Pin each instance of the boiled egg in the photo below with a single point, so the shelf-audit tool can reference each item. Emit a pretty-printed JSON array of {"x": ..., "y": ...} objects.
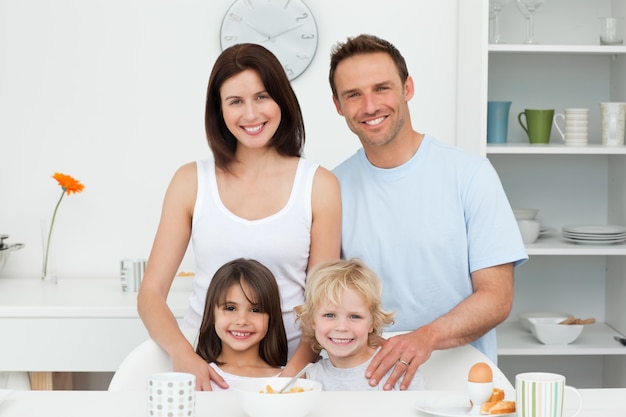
[{"x": 480, "y": 372}]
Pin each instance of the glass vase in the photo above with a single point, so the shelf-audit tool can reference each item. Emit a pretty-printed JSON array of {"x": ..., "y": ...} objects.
[{"x": 49, "y": 265}]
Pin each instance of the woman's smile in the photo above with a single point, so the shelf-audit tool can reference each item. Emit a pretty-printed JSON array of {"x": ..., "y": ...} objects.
[{"x": 254, "y": 129}]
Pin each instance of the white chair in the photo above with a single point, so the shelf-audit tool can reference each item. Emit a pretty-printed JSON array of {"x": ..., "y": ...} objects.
[
  {"x": 14, "y": 380},
  {"x": 448, "y": 369},
  {"x": 146, "y": 359}
]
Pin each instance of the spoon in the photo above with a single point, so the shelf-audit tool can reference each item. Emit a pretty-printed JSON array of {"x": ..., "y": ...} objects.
[{"x": 295, "y": 378}]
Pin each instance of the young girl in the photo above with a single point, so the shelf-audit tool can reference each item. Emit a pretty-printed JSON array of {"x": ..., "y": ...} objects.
[
  {"x": 242, "y": 332},
  {"x": 343, "y": 315}
]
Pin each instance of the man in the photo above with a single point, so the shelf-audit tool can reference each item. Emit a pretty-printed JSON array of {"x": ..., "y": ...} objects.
[{"x": 431, "y": 219}]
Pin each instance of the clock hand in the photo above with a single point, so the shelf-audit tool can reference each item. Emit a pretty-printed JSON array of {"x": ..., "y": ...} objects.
[
  {"x": 265, "y": 35},
  {"x": 285, "y": 31}
]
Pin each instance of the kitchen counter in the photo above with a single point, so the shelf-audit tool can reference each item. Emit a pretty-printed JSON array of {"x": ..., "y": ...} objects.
[
  {"x": 596, "y": 403},
  {"x": 77, "y": 325},
  {"x": 20, "y": 298}
]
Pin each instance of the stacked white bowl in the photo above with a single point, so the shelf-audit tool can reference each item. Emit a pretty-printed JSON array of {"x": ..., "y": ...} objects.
[{"x": 528, "y": 225}]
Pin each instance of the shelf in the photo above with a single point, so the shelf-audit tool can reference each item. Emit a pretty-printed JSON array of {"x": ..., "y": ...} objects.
[
  {"x": 559, "y": 49},
  {"x": 553, "y": 149},
  {"x": 557, "y": 246},
  {"x": 596, "y": 339},
  {"x": 570, "y": 184}
]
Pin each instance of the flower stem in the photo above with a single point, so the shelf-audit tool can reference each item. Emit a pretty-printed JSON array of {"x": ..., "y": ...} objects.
[{"x": 54, "y": 215}]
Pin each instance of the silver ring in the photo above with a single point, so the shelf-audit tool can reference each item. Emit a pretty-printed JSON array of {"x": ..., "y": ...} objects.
[{"x": 403, "y": 362}]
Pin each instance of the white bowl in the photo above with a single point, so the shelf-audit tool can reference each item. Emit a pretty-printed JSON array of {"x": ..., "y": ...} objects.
[
  {"x": 523, "y": 317},
  {"x": 256, "y": 402},
  {"x": 529, "y": 229},
  {"x": 525, "y": 213},
  {"x": 549, "y": 332}
]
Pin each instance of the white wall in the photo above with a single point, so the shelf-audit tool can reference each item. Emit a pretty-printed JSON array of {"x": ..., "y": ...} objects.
[{"x": 112, "y": 92}]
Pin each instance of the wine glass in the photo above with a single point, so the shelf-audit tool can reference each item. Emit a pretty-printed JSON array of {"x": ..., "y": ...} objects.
[
  {"x": 495, "y": 7},
  {"x": 528, "y": 9}
]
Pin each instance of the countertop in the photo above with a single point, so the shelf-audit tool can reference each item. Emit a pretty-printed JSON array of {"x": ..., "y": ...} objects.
[
  {"x": 80, "y": 297},
  {"x": 596, "y": 403}
]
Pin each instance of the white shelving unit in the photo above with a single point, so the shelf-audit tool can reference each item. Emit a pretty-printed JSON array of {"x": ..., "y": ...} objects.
[
  {"x": 568, "y": 184},
  {"x": 553, "y": 149},
  {"x": 556, "y": 246},
  {"x": 597, "y": 339},
  {"x": 558, "y": 49}
]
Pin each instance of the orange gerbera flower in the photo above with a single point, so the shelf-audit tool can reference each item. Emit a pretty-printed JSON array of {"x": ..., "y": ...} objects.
[{"x": 69, "y": 185}]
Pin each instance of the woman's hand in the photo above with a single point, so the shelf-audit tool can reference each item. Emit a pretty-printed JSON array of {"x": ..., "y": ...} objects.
[
  {"x": 301, "y": 357},
  {"x": 205, "y": 374}
]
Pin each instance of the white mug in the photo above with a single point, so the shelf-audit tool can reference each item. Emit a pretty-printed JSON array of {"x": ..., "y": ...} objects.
[
  {"x": 131, "y": 274},
  {"x": 611, "y": 31},
  {"x": 576, "y": 126},
  {"x": 541, "y": 394},
  {"x": 171, "y": 394},
  {"x": 613, "y": 117}
]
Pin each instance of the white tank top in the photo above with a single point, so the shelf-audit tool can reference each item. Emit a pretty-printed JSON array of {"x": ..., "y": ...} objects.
[
  {"x": 281, "y": 242},
  {"x": 231, "y": 379}
]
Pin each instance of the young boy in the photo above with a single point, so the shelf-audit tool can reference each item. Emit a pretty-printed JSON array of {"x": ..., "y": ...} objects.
[{"x": 342, "y": 314}]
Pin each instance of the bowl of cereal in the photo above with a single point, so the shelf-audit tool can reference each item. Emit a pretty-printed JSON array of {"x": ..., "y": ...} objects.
[{"x": 259, "y": 397}]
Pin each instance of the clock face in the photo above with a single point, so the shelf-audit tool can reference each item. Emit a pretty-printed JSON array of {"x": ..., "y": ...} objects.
[{"x": 285, "y": 27}]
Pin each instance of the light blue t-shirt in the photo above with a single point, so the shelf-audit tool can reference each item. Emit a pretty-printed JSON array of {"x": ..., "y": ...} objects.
[{"x": 424, "y": 226}]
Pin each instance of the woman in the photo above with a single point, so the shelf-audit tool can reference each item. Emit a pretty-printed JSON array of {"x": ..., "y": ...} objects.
[{"x": 256, "y": 198}]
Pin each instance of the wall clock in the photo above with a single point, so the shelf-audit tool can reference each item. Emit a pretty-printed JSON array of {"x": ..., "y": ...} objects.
[{"x": 285, "y": 27}]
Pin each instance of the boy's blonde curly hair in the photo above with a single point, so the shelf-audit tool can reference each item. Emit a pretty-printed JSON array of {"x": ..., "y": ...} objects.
[{"x": 327, "y": 281}]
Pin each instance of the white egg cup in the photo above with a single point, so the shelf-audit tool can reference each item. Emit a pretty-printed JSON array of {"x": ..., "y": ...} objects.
[{"x": 479, "y": 393}]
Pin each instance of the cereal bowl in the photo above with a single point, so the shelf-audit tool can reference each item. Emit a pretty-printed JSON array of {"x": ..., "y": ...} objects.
[
  {"x": 529, "y": 230},
  {"x": 549, "y": 332},
  {"x": 254, "y": 399}
]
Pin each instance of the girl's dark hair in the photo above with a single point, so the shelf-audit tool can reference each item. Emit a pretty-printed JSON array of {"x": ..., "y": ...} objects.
[
  {"x": 289, "y": 137},
  {"x": 364, "y": 44},
  {"x": 264, "y": 293}
]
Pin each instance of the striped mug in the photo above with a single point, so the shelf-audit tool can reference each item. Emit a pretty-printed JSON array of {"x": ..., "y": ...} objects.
[{"x": 541, "y": 394}]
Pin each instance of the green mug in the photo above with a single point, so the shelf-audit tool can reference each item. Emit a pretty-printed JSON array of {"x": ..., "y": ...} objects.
[{"x": 538, "y": 124}]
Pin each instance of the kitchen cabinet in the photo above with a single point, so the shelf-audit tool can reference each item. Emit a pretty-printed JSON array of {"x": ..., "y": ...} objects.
[
  {"x": 77, "y": 325},
  {"x": 568, "y": 184}
]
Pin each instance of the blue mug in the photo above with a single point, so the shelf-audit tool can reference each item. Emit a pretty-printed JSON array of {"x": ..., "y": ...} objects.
[{"x": 498, "y": 121}]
